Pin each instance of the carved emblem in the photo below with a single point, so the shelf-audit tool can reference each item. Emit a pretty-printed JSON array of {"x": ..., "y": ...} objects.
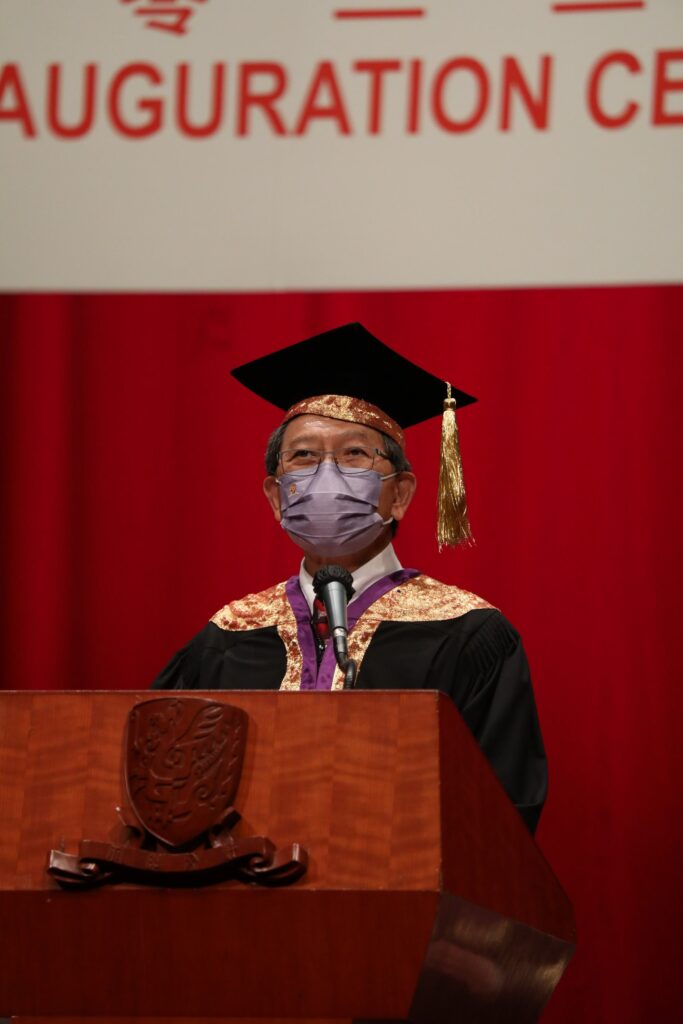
[{"x": 182, "y": 765}]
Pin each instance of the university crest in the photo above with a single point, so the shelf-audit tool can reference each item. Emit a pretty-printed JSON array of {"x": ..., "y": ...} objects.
[{"x": 182, "y": 764}]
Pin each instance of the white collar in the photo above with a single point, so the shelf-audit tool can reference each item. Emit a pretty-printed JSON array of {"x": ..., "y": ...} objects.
[{"x": 378, "y": 567}]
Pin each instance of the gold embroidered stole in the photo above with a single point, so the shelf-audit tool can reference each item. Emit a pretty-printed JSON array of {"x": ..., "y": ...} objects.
[{"x": 420, "y": 599}]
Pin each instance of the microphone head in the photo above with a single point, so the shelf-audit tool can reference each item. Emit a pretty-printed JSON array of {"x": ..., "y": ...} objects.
[{"x": 333, "y": 574}]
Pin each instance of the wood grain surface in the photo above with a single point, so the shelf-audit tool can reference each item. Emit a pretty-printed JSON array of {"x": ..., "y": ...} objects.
[
  {"x": 355, "y": 781},
  {"x": 509, "y": 874},
  {"x": 387, "y": 791}
]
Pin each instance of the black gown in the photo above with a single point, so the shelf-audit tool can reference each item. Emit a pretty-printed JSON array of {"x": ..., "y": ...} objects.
[{"x": 420, "y": 635}]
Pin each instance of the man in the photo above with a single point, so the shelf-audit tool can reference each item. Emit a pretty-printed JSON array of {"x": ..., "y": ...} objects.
[{"x": 339, "y": 483}]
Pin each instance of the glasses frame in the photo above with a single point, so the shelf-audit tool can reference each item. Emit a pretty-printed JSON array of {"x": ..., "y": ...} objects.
[{"x": 344, "y": 470}]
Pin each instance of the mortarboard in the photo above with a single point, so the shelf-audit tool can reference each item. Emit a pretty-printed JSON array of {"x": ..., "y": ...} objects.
[{"x": 349, "y": 374}]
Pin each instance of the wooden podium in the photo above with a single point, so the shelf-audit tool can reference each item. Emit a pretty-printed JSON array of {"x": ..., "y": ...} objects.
[{"x": 425, "y": 897}]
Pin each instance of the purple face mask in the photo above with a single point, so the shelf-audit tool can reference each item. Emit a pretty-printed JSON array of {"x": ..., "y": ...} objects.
[{"x": 330, "y": 513}]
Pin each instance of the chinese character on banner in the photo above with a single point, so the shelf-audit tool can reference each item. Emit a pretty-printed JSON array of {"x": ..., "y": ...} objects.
[{"x": 168, "y": 15}]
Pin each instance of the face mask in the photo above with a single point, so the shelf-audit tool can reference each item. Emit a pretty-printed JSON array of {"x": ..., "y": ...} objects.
[{"x": 330, "y": 513}]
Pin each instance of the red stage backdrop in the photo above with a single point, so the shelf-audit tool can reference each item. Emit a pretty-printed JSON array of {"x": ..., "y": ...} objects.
[{"x": 131, "y": 475}]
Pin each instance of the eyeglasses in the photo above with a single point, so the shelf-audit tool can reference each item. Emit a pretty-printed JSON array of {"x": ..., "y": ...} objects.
[{"x": 354, "y": 459}]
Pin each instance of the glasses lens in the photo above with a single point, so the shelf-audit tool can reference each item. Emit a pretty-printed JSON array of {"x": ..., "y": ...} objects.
[
  {"x": 305, "y": 461},
  {"x": 355, "y": 459},
  {"x": 300, "y": 460}
]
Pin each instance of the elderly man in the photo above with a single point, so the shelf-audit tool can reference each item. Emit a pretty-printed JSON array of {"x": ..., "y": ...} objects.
[{"x": 339, "y": 483}]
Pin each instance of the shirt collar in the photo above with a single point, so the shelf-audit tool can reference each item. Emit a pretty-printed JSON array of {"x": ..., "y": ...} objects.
[{"x": 381, "y": 565}]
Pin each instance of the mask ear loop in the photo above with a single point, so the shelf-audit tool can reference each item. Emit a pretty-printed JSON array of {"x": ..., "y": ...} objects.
[{"x": 389, "y": 476}]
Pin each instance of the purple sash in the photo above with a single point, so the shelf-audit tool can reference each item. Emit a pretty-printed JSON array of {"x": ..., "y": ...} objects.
[{"x": 312, "y": 677}]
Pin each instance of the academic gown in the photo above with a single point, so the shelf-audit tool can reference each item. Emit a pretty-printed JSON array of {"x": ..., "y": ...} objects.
[{"x": 407, "y": 631}]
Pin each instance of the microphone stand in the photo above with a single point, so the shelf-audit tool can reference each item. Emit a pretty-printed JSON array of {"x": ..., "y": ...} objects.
[{"x": 334, "y": 586}]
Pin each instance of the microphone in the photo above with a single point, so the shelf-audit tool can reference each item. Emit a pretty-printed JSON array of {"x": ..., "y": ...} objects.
[{"x": 333, "y": 584}]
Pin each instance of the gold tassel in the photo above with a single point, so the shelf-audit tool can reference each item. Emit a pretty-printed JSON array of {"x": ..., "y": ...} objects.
[{"x": 452, "y": 524}]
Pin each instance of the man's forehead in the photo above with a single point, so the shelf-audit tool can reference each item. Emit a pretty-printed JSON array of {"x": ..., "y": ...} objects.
[{"x": 308, "y": 427}]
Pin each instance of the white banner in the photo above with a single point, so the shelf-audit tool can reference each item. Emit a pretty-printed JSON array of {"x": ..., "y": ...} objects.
[{"x": 308, "y": 144}]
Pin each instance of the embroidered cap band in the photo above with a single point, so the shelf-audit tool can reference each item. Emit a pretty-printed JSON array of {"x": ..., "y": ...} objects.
[{"x": 353, "y": 410}]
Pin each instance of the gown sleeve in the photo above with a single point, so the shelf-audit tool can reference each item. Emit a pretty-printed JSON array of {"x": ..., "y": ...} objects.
[
  {"x": 496, "y": 699},
  {"x": 220, "y": 659},
  {"x": 184, "y": 669}
]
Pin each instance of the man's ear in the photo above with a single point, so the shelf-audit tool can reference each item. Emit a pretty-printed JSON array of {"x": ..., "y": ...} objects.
[
  {"x": 404, "y": 489},
  {"x": 271, "y": 489}
]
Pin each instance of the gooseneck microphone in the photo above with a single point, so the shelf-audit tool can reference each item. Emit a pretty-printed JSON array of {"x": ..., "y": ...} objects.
[{"x": 333, "y": 584}]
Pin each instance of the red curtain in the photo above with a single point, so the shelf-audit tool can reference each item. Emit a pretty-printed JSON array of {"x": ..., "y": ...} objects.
[{"x": 132, "y": 509}]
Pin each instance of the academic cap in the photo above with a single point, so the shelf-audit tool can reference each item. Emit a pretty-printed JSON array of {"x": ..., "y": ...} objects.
[{"x": 347, "y": 373}]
